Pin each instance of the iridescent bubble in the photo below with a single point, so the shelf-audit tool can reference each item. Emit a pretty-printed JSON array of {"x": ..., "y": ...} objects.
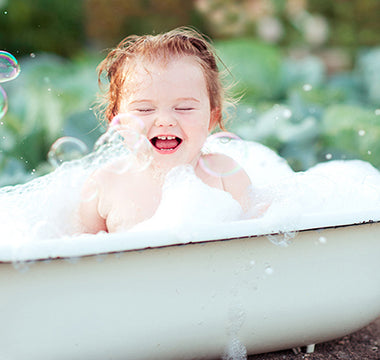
[
  {"x": 9, "y": 67},
  {"x": 3, "y": 103},
  {"x": 66, "y": 148},
  {"x": 223, "y": 137},
  {"x": 129, "y": 148}
]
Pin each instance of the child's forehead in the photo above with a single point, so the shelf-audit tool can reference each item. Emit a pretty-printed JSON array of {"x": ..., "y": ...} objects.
[
  {"x": 142, "y": 71},
  {"x": 143, "y": 65}
]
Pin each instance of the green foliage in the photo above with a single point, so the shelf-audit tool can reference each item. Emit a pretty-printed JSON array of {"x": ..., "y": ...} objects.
[
  {"x": 42, "y": 25},
  {"x": 352, "y": 130},
  {"x": 254, "y": 66},
  {"x": 51, "y": 98},
  {"x": 290, "y": 105},
  {"x": 315, "y": 117}
]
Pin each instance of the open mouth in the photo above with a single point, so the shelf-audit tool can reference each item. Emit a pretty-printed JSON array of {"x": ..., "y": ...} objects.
[{"x": 166, "y": 144}]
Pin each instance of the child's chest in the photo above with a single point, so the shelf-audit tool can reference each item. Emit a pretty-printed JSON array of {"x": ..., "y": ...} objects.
[{"x": 130, "y": 202}]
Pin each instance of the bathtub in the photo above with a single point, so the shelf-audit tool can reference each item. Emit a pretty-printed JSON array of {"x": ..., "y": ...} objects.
[{"x": 193, "y": 295}]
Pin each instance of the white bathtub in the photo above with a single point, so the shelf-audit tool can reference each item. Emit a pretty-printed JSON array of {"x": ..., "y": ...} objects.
[{"x": 187, "y": 301}]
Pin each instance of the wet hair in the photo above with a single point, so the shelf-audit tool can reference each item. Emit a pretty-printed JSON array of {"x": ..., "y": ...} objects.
[{"x": 117, "y": 69}]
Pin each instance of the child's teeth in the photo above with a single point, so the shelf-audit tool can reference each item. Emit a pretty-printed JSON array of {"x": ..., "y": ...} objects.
[{"x": 166, "y": 137}]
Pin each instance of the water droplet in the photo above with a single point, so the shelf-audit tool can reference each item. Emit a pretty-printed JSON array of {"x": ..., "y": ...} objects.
[
  {"x": 249, "y": 110},
  {"x": 32, "y": 55},
  {"x": 322, "y": 240},
  {"x": 377, "y": 112},
  {"x": 361, "y": 132},
  {"x": 268, "y": 270},
  {"x": 287, "y": 113},
  {"x": 328, "y": 156},
  {"x": 9, "y": 67},
  {"x": 3, "y": 102},
  {"x": 283, "y": 239},
  {"x": 369, "y": 152},
  {"x": 307, "y": 87},
  {"x": 66, "y": 148}
]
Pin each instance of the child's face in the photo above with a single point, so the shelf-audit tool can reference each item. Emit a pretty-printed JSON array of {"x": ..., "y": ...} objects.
[{"x": 172, "y": 100}]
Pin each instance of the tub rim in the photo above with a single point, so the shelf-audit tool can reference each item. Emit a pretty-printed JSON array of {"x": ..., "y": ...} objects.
[{"x": 55, "y": 249}]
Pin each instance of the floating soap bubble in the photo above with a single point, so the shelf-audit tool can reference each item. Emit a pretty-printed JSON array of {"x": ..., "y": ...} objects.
[
  {"x": 223, "y": 138},
  {"x": 66, "y": 148},
  {"x": 9, "y": 67},
  {"x": 126, "y": 142},
  {"x": 3, "y": 102}
]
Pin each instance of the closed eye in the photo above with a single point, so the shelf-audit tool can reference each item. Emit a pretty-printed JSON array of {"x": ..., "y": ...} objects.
[
  {"x": 147, "y": 110},
  {"x": 184, "y": 109}
]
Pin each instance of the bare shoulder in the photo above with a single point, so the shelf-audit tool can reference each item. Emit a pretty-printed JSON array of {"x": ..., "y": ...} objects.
[
  {"x": 223, "y": 165},
  {"x": 219, "y": 163},
  {"x": 233, "y": 177}
]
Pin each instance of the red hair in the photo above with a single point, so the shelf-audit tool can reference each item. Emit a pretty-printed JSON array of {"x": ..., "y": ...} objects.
[{"x": 119, "y": 64}]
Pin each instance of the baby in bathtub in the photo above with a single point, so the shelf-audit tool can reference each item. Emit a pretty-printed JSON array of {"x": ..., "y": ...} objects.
[{"x": 172, "y": 84}]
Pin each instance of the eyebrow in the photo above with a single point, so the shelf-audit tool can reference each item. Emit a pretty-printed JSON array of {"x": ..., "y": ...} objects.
[{"x": 151, "y": 101}]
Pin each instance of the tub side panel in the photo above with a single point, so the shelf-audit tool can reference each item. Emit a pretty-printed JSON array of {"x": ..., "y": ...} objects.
[{"x": 193, "y": 301}]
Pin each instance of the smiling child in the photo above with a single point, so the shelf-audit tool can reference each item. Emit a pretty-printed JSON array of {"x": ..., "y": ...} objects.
[{"x": 170, "y": 82}]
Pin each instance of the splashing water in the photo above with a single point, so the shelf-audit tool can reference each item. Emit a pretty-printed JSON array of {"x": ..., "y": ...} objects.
[
  {"x": 235, "y": 350},
  {"x": 131, "y": 143},
  {"x": 9, "y": 67}
]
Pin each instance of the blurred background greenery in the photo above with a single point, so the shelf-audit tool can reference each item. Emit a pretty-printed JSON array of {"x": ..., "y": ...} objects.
[{"x": 309, "y": 72}]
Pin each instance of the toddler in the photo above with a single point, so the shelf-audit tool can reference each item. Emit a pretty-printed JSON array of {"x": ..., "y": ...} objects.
[{"x": 172, "y": 84}]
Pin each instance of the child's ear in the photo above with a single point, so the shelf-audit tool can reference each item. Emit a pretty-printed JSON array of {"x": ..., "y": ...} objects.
[{"x": 214, "y": 118}]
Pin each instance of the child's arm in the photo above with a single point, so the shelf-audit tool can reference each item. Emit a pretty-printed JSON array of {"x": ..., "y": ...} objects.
[
  {"x": 238, "y": 184},
  {"x": 89, "y": 217}
]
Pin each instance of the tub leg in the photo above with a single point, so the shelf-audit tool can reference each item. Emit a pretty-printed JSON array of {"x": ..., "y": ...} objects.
[
  {"x": 296, "y": 350},
  {"x": 309, "y": 349}
]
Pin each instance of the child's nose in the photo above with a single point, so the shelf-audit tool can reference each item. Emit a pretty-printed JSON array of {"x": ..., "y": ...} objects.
[{"x": 165, "y": 119}]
